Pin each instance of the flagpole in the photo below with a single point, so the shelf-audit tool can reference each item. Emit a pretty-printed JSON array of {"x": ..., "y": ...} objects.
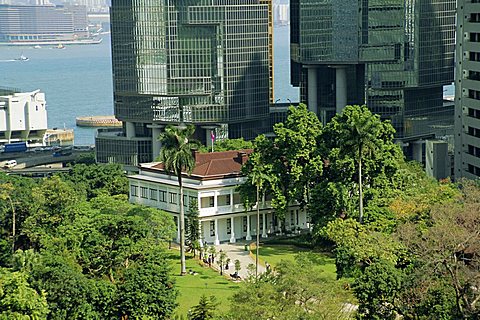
[{"x": 212, "y": 136}]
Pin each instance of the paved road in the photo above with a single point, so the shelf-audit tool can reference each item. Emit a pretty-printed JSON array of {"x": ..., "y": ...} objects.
[{"x": 237, "y": 251}]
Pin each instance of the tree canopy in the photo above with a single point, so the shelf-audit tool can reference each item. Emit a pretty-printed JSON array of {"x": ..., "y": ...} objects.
[{"x": 82, "y": 251}]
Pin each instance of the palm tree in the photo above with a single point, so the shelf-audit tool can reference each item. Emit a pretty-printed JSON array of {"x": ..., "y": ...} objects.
[
  {"x": 362, "y": 131},
  {"x": 177, "y": 157},
  {"x": 258, "y": 178}
]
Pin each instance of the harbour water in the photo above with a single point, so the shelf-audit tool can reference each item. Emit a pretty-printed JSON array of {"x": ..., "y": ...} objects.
[{"x": 77, "y": 80}]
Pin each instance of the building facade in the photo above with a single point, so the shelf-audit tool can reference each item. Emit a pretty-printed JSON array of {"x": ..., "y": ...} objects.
[
  {"x": 212, "y": 185},
  {"x": 23, "y": 116},
  {"x": 205, "y": 62},
  {"x": 467, "y": 95},
  {"x": 42, "y": 24},
  {"x": 394, "y": 56}
]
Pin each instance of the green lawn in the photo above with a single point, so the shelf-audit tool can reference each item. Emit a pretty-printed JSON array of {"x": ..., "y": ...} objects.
[
  {"x": 273, "y": 254},
  {"x": 191, "y": 287}
]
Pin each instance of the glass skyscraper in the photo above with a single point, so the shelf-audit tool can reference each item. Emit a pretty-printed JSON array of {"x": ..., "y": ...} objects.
[
  {"x": 395, "y": 56},
  {"x": 206, "y": 62}
]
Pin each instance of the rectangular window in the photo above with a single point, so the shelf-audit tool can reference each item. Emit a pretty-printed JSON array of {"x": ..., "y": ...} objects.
[
  {"x": 223, "y": 200},
  {"x": 162, "y": 196},
  {"x": 244, "y": 224},
  {"x": 172, "y": 197},
  {"x": 212, "y": 228},
  {"x": 185, "y": 200},
  {"x": 154, "y": 194},
  {"x": 236, "y": 198},
  {"x": 292, "y": 218},
  {"x": 134, "y": 191},
  {"x": 206, "y": 202},
  {"x": 229, "y": 226},
  {"x": 144, "y": 192}
]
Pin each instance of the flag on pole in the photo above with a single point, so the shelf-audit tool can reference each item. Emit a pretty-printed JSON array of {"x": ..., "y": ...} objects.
[{"x": 212, "y": 136}]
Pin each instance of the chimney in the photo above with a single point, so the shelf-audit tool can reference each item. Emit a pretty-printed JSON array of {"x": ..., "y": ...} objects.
[{"x": 243, "y": 156}]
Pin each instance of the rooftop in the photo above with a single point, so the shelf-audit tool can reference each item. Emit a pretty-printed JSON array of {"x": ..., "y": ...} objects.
[{"x": 213, "y": 164}]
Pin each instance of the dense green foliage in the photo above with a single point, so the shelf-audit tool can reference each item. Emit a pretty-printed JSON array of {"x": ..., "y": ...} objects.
[
  {"x": 289, "y": 163},
  {"x": 227, "y": 145},
  {"x": 296, "y": 290},
  {"x": 81, "y": 250},
  {"x": 18, "y": 300},
  {"x": 413, "y": 254}
]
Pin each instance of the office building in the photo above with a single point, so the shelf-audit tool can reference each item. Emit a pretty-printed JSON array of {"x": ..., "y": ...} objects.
[
  {"x": 42, "y": 24},
  {"x": 213, "y": 185},
  {"x": 467, "y": 94},
  {"x": 394, "y": 56},
  {"x": 205, "y": 62},
  {"x": 23, "y": 116}
]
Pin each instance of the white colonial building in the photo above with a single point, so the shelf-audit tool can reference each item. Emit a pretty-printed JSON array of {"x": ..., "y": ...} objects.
[
  {"x": 213, "y": 184},
  {"x": 23, "y": 117}
]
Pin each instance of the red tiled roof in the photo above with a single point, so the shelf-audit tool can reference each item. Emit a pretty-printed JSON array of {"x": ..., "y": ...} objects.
[{"x": 216, "y": 163}]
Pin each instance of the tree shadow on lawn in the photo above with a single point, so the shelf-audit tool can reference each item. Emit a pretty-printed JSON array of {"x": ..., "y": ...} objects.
[{"x": 289, "y": 252}]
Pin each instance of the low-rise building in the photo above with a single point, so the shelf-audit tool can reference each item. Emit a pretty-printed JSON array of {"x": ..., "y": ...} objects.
[
  {"x": 213, "y": 184},
  {"x": 23, "y": 116}
]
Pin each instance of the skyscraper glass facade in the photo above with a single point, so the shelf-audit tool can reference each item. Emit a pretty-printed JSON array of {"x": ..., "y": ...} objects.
[
  {"x": 206, "y": 62},
  {"x": 396, "y": 55}
]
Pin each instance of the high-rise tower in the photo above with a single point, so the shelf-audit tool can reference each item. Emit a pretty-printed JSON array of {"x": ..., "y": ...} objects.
[
  {"x": 395, "y": 56},
  {"x": 206, "y": 62},
  {"x": 467, "y": 95}
]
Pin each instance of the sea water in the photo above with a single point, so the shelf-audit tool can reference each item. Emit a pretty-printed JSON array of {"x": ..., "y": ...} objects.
[{"x": 77, "y": 80}]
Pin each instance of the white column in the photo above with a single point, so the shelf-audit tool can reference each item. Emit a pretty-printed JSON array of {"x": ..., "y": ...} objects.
[
  {"x": 341, "y": 88},
  {"x": 217, "y": 241},
  {"x": 249, "y": 236},
  {"x": 156, "y": 144},
  {"x": 312, "y": 90},
  {"x": 129, "y": 129},
  {"x": 232, "y": 230},
  {"x": 264, "y": 230},
  {"x": 417, "y": 151},
  {"x": 200, "y": 232}
]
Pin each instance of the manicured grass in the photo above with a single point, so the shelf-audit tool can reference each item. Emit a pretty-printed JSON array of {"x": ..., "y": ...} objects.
[
  {"x": 273, "y": 254},
  {"x": 192, "y": 287}
]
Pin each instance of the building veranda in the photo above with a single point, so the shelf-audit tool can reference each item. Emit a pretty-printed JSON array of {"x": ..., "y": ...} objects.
[{"x": 213, "y": 184}]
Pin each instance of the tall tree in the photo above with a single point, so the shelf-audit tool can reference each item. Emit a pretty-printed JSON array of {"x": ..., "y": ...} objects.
[
  {"x": 193, "y": 227},
  {"x": 290, "y": 160},
  {"x": 177, "y": 157},
  {"x": 258, "y": 178},
  {"x": 358, "y": 149}
]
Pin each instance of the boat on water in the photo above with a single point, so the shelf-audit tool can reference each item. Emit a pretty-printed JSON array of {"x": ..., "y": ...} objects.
[
  {"x": 22, "y": 58},
  {"x": 59, "y": 46},
  {"x": 37, "y": 47}
]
